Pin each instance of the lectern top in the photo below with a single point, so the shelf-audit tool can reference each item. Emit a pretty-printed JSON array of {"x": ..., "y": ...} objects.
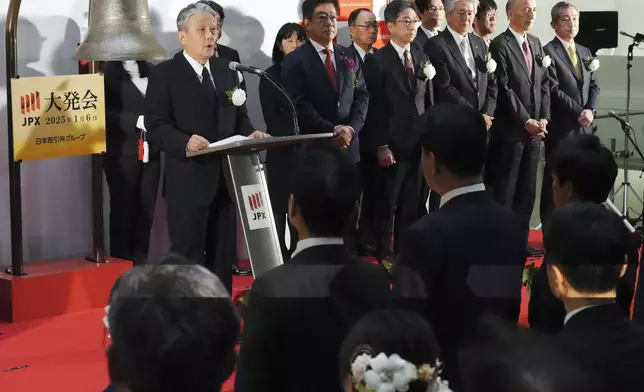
[{"x": 250, "y": 145}]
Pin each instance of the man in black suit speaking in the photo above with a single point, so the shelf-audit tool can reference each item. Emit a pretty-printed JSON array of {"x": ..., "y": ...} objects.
[
  {"x": 187, "y": 109},
  {"x": 574, "y": 91},
  {"x": 522, "y": 112}
]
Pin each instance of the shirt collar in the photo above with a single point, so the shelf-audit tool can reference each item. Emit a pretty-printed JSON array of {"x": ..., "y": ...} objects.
[
  {"x": 195, "y": 64},
  {"x": 569, "y": 315},
  {"x": 400, "y": 50},
  {"x": 480, "y": 187},
  {"x": 361, "y": 51},
  {"x": 457, "y": 37},
  {"x": 316, "y": 241},
  {"x": 566, "y": 44},
  {"x": 520, "y": 38},
  {"x": 318, "y": 47},
  {"x": 428, "y": 32}
]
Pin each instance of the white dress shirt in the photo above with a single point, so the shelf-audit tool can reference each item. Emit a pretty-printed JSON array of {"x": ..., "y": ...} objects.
[
  {"x": 520, "y": 38},
  {"x": 401, "y": 53},
  {"x": 567, "y": 47},
  {"x": 199, "y": 68},
  {"x": 569, "y": 315},
  {"x": 468, "y": 55},
  {"x": 316, "y": 241},
  {"x": 428, "y": 32},
  {"x": 361, "y": 51},
  {"x": 461, "y": 191},
  {"x": 319, "y": 48}
]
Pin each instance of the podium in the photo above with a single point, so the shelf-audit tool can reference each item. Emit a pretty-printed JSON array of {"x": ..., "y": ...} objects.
[{"x": 248, "y": 176}]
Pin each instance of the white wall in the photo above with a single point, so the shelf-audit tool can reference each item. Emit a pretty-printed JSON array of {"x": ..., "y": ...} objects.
[{"x": 56, "y": 193}]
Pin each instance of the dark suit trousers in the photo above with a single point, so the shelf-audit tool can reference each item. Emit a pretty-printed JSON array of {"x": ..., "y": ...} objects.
[
  {"x": 375, "y": 228},
  {"x": 133, "y": 188},
  {"x": 408, "y": 196},
  {"x": 206, "y": 234},
  {"x": 278, "y": 166},
  {"x": 512, "y": 174}
]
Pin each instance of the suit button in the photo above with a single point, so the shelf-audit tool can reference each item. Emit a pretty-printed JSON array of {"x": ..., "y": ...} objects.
[{"x": 338, "y": 104}]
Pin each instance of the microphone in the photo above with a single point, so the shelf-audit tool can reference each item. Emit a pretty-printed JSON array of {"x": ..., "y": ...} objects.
[
  {"x": 235, "y": 66},
  {"x": 637, "y": 38},
  {"x": 618, "y": 118}
]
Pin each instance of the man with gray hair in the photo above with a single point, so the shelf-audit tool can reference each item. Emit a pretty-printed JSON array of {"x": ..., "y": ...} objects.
[
  {"x": 462, "y": 74},
  {"x": 190, "y": 105},
  {"x": 173, "y": 328}
]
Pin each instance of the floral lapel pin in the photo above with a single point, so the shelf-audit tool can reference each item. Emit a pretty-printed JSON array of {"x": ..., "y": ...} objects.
[
  {"x": 352, "y": 68},
  {"x": 236, "y": 95},
  {"x": 426, "y": 71},
  {"x": 490, "y": 64},
  {"x": 543, "y": 61},
  {"x": 591, "y": 64}
]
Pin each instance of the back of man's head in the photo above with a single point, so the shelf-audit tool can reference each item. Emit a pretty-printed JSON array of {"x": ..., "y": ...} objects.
[
  {"x": 583, "y": 169},
  {"x": 456, "y": 135},
  {"x": 325, "y": 189},
  {"x": 173, "y": 327},
  {"x": 588, "y": 243}
]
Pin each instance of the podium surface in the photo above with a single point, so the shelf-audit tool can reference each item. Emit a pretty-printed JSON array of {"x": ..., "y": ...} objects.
[{"x": 252, "y": 198}]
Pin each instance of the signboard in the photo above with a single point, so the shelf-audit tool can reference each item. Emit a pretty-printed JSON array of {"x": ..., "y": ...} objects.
[
  {"x": 255, "y": 206},
  {"x": 58, "y": 116},
  {"x": 383, "y": 35},
  {"x": 348, "y": 6}
]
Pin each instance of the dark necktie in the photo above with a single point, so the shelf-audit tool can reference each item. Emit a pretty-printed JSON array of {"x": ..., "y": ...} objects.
[
  {"x": 207, "y": 83},
  {"x": 330, "y": 68},
  {"x": 527, "y": 55},
  {"x": 409, "y": 66}
]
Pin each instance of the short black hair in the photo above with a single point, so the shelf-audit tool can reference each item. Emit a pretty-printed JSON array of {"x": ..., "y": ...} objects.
[
  {"x": 484, "y": 7},
  {"x": 589, "y": 243},
  {"x": 391, "y": 331},
  {"x": 285, "y": 32},
  {"x": 393, "y": 9},
  {"x": 308, "y": 7},
  {"x": 326, "y": 189},
  {"x": 423, "y": 5},
  {"x": 587, "y": 164},
  {"x": 354, "y": 15},
  {"x": 215, "y": 7},
  {"x": 457, "y": 135},
  {"x": 173, "y": 327}
]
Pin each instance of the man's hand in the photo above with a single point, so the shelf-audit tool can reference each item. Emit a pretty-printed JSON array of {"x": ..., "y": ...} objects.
[
  {"x": 532, "y": 127},
  {"x": 586, "y": 117},
  {"x": 543, "y": 126},
  {"x": 488, "y": 121},
  {"x": 197, "y": 143},
  {"x": 385, "y": 157},
  {"x": 342, "y": 136},
  {"x": 259, "y": 135}
]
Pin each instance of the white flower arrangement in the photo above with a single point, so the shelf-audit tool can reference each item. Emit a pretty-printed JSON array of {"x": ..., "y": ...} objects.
[
  {"x": 237, "y": 96},
  {"x": 429, "y": 71},
  {"x": 546, "y": 61},
  {"x": 393, "y": 374},
  {"x": 592, "y": 64},
  {"x": 490, "y": 63}
]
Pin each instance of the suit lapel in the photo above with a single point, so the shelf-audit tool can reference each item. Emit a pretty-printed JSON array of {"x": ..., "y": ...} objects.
[
  {"x": 563, "y": 55},
  {"x": 340, "y": 66},
  {"x": 392, "y": 56},
  {"x": 191, "y": 77},
  {"x": 534, "y": 50},
  {"x": 458, "y": 55},
  {"x": 518, "y": 53},
  {"x": 480, "y": 52},
  {"x": 316, "y": 64}
]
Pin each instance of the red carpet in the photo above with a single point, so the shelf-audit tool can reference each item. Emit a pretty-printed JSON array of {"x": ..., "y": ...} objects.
[{"x": 66, "y": 353}]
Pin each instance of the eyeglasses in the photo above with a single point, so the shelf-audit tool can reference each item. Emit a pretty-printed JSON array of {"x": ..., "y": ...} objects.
[
  {"x": 408, "y": 22},
  {"x": 367, "y": 26},
  {"x": 490, "y": 15},
  {"x": 323, "y": 18},
  {"x": 436, "y": 9}
]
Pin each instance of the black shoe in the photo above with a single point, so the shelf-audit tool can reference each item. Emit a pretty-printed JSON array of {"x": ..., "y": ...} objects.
[
  {"x": 532, "y": 252},
  {"x": 241, "y": 271}
]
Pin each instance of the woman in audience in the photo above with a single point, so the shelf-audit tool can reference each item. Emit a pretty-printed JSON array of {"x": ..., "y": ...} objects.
[
  {"x": 279, "y": 122},
  {"x": 394, "y": 347}
]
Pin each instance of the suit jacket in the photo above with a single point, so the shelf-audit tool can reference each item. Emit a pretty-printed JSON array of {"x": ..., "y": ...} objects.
[
  {"x": 368, "y": 137},
  {"x": 124, "y": 103},
  {"x": 453, "y": 281},
  {"x": 178, "y": 106},
  {"x": 521, "y": 96},
  {"x": 607, "y": 344},
  {"x": 228, "y": 53},
  {"x": 453, "y": 81},
  {"x": 570, "y": 95},
  {"x": 275, "y": 107},
  {"x": 320, "y": 106},
  {"x": 397, "y": 100},
  {"x": 421, "y": 38},
  {"x": 304, "y": 309}
]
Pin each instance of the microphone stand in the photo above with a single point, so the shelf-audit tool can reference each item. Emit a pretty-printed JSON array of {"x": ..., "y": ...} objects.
[{"x": 278, "y": 86}]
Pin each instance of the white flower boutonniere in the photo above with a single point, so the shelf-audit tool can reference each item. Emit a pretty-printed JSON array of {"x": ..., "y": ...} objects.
[
  {"x": 490, "y": 64},
  {"x": 426, "y": 71},
  {"x": 544, "y": 61},
  {"x": 237, "y": 96},
  {"x": 592, "y": 64}
]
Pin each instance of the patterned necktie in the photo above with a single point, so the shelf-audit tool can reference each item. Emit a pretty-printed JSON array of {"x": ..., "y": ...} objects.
[
  {"x": 409, "y": 66},
  {"x": 575, "y": 61},
  {"x": 527, "y": 55},
  {"x": 330, "y": 68},
  {"x": 207, "y": 83},
  {"x": 468, "y": 59}
]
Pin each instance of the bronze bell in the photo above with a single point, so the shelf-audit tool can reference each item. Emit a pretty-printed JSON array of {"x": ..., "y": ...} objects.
[{"x": 120, "y": 30}]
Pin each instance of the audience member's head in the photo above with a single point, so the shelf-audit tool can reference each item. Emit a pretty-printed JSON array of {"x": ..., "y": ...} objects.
[
  {"x": 485, "y": 18},
  {"x": 388, "y": 332},
  {"x": 582, "y": 169},
  {"x": 173, "y": 328},
  {"x": 454, "y": 144},
  {"x": 325, "y": 190},
  {"x": 401, "y": 17},
  {"x": 289, "y": 37},
  {"x": 363, "y": 27},
  {"x": 565, "y": 20},
  {"x": 460, "y": 15},
  {"x": 586, "y": 247},
  {"x": 431, "y": 13},
  {"x": 199, "y": 29},
  {"x": 521, "y": 14},
  {"x": 321, "y": 20}
]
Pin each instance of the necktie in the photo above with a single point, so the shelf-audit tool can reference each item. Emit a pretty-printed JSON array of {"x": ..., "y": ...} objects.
[
  {"x": 330, "y": 68},
  {"x": 207, "y": 83},
  {"x": 468, "y": 59},
  {"x": 527, "y": 55},
  {"x": 409, "y": 66},
  {"x": 575, "y": 61}
]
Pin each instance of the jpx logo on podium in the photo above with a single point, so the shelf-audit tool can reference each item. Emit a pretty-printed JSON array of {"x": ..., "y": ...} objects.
[{"x": 255, "y": 207}]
